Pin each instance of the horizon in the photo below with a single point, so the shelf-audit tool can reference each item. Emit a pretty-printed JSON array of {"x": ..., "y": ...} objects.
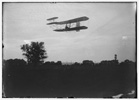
[
  {"x": 72, "y": 62},
  {"x": 111, "y": 30}
]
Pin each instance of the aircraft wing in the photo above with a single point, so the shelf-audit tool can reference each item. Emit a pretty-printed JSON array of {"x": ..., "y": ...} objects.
[
  {"x": 84, "y": 18},
  {"x": 72, "y": 29}
]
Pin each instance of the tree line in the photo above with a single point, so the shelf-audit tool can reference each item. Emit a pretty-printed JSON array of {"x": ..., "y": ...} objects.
[
  {"x": 35, "y": 55},
  {"x": 49, "y": 79}
]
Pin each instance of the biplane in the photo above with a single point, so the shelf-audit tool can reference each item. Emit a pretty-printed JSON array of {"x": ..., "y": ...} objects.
[{"x": 68, "y": 24}]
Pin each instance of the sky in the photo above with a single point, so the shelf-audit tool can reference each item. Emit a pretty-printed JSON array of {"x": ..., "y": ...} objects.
[{"x": 111, "y": 30}]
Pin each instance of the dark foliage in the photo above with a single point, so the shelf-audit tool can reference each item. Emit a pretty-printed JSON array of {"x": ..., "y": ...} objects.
[
  {"x": 79, "y": 80},
  {"x": 35, "y": 52}
]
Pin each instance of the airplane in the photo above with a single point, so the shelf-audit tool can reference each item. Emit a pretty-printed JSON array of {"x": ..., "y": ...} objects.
[{"x": 69, "y": 24}]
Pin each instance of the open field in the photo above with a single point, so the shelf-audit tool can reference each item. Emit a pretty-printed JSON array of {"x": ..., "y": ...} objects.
[{"x": 79, "y": 81}]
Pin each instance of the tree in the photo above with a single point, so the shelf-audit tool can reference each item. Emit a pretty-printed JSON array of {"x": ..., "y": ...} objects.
[
  {"x": 59, "y": 63},
  {"x": 34, "y": 52}
]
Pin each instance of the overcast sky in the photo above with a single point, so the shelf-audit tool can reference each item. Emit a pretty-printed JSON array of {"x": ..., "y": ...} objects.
[{"x": 111, "y": 30}]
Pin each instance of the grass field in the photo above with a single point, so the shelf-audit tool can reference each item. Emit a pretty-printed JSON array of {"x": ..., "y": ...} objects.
[{"x": 68, "y": 81}]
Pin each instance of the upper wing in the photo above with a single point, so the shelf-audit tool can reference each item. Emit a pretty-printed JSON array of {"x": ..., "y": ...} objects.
[{"x": 84, "y": 18}]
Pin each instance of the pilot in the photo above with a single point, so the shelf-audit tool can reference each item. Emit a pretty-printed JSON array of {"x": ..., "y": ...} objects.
[{"x": 66, "y": 27}]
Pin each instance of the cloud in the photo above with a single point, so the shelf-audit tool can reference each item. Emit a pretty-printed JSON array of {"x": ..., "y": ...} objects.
[
  {"x": 124, "y": 37},
  {"x": 27, "y": 41}
]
